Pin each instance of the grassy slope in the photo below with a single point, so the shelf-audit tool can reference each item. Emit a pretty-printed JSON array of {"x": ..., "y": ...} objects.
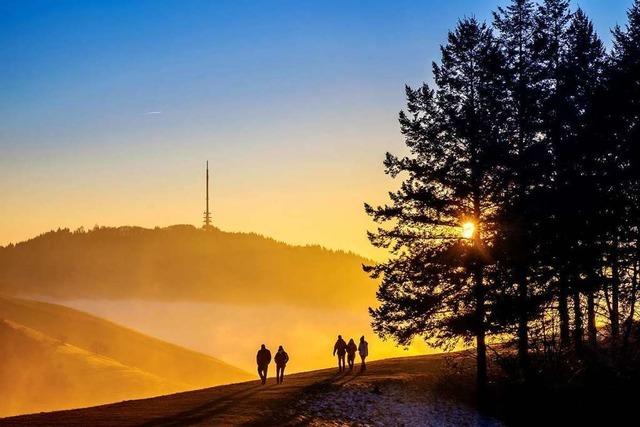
[
  {"x": 600, "y": 401},
  {"x": 90, "y": 359},
  {"x": 245, "y": 403},
  {"x": 120, "y": 343},
  {"x": 41, "y": 373}
]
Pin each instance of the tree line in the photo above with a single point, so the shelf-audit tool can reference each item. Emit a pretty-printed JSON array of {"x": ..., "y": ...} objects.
[{"x": 530, "y": 136}]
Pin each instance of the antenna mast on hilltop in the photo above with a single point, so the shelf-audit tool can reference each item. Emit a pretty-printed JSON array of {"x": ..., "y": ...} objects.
[{"x": 207, "y": 214}]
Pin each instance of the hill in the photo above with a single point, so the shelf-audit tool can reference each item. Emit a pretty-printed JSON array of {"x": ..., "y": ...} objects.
[
  {"x": 182, "y": 263},
  {"x": 435, "y": 390},
  {"x": 402, "y": 391},
  {"x": 216, "y": 292},
  {"x": 54, "y": 357}
]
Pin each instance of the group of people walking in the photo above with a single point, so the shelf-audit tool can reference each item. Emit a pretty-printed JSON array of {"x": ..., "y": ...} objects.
[
  {"x": 348, "y": 350},
  {"x": 341, "y": 348},
  {"x": 263, "y": 359}
]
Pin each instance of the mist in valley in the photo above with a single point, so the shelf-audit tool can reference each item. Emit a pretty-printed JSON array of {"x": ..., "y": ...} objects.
[
  {"x": 216, "y": 293},
  {"x": 233, "y": 333}
]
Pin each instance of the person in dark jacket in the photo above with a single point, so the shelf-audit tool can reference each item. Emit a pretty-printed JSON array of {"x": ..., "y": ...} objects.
[
  {"x": 340, "y": 348},
  {"x": 281, "y": 358},
  {"x": 351, "y": 353},
  {"x": 363, "y": 349},
  {"x": 263, "y": 358}
]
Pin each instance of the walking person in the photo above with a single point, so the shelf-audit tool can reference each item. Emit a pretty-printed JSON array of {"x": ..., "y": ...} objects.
[
  {"x": 340, "y": 348},
  {"x": 363, "y": 350},
  {"x": 281, "y": 358},
  {"x": 263, "y": 358},
  {"x": 351, "y": 353}
]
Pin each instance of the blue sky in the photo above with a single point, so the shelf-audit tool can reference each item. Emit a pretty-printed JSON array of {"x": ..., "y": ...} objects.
[{"x": 109, "y": 109}]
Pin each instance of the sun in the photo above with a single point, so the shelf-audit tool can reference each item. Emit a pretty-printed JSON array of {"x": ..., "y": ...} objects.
[{"x": 468, "y": 229}]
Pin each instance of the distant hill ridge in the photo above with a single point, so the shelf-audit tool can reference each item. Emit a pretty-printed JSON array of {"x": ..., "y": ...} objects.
[{"x": 182, "y": 263}]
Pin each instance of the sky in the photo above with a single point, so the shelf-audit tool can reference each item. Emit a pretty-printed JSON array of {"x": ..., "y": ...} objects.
[{"x": 109, "y": 110}]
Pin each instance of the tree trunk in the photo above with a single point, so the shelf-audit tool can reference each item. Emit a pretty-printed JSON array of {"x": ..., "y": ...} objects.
[
  {"x": 615, "y": 299},
  {"x": 523, "y": 327},
  {"x": 481, "y": 347},
  {"x": 632, "y": 311},
  {"x": 563, "y": 309},
  {"x": 577, "y": 322},
  {"x": 591, "y": 320}
]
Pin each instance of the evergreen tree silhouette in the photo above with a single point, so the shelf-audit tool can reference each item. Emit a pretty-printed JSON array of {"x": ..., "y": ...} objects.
[
  {"x": 622, "y": 162},
  {"x": 552, "y": 20},
  {"x": 434, "y": 284},
  {"x": 516, "y": 26}
]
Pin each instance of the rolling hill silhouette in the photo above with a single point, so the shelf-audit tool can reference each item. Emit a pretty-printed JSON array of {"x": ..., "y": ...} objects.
[
  {"x": 54, "y": 357},
  {"x": 182, "y": 263}
]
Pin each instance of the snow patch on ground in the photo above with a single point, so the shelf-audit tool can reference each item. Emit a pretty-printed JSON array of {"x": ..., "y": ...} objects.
[{"x": 386, "y": 404}]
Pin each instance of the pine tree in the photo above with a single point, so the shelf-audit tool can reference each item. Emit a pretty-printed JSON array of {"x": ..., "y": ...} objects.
[
  {"x": 434, "y": 284},
  {"x": 529, "y": 159},
  {"x": 552, "y": 19},
  {"x": 581, "y": 78},
  {"x": 623, "y": 142}
]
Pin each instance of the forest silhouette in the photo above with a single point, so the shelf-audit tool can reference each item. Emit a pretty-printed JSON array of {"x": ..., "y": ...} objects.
[
  {"x": 531, "y": 132},
  {"x": 182, "y": 263}
]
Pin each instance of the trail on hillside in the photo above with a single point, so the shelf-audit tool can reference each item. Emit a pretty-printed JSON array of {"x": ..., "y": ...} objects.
[{"x": 398, "y": 392}]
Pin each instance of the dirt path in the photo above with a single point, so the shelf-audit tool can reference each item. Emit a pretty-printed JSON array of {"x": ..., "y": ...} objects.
[{"x": 391, "y": 392}]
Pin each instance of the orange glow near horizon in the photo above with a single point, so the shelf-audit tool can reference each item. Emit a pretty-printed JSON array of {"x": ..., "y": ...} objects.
[{"x": 292, "y": 201}]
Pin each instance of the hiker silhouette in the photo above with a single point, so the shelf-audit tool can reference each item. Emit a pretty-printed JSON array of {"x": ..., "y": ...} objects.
[
  {"x": 351, "y": 353},
  {"x": 363, "y": 350},
  {"x": 281, "y": 358},
  {"x": 263, "y": 358},
  {"x": 340, "y": 348}
]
